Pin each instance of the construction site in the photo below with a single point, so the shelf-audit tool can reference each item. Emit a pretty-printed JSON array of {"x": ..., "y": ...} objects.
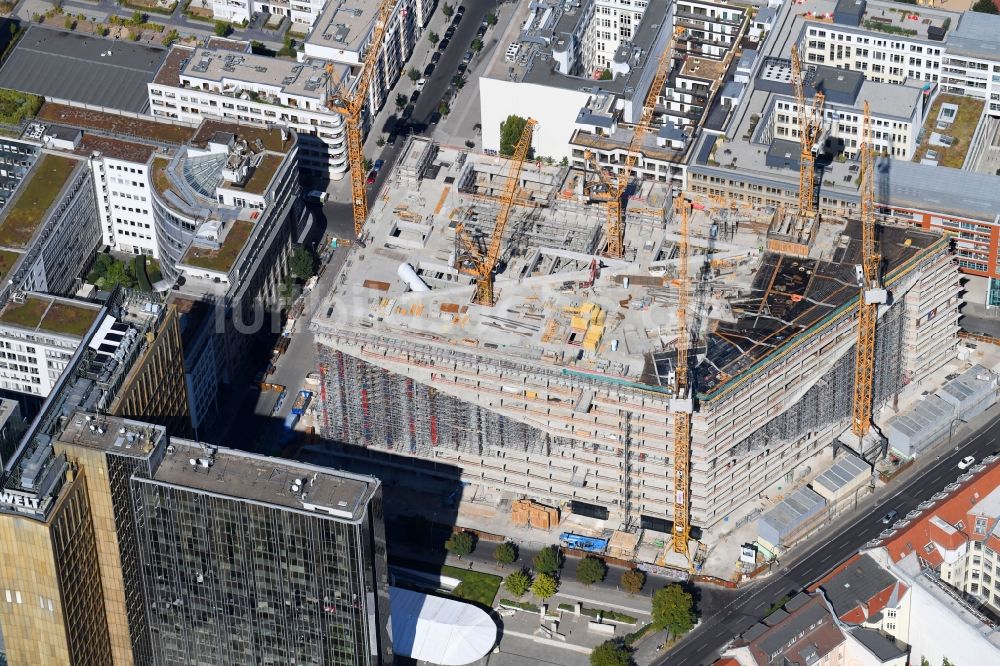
[{"x": 558, "y": 380}]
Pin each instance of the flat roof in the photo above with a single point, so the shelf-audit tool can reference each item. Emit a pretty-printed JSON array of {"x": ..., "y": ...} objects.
[
  {"x": 34, "y": 197},
  {"x": 82, "y": 68},
  {"x": 942, "y": 189},
  {"x": 844, "y": 471},
  {"x": 235, "y": 71},
  {"x": 222, "y": 259},
  {"x": 976, "y": 36},
  {"x": 113, "y": 123},
  {"x": 272, "y": 139},
  {"x": 40, "y": 312},
  {"x": 344, "y": 24},
  {"x": 129, "y": 151},
  {"x": 242, "y": 476},
  {"x": 8, "y": 258},
  {"x": 112, "y": 434}
]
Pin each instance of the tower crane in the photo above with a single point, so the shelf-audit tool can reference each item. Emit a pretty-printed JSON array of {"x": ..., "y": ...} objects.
[
  {"x": 682, "y": 403},
  {"x": 350, "y": 105},
  {"x": 482, "y": 266},
  {"x": 615, "y": 209},
  {"x": 872, "y": 293},
  {"x": 810, "y": 131}
]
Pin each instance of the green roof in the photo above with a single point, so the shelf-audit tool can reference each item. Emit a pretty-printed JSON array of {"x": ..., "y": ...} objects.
[
  {"x": 7, "y": 260},
  {"x": 262, "y": 175},
  {"x": 221, "y": 260},
  {"x": 49, "y": 314},
  {"x": 34, "y": 198}
]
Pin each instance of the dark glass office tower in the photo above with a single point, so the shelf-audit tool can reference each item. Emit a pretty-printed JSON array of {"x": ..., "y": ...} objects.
[{"x": 255, "y": 560}]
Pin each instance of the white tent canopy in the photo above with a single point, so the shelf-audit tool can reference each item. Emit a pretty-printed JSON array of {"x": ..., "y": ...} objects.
[{"x": 439, "y": 630}]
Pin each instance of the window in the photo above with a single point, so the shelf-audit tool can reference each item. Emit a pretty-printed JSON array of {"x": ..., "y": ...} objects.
[{"x": 980, "y": 525}]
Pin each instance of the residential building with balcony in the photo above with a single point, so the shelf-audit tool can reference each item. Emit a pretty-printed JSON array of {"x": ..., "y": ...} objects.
[
  {"x": 708, "y": 29},
  {"x": 971, "y": 62},
  {"x": 193, "y": 84}
]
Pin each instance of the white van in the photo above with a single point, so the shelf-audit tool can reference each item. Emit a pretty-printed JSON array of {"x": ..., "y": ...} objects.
[{"x": 318, "y": 196}]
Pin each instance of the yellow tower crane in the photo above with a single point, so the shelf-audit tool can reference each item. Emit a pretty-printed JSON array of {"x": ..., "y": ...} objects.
[
  {"x": 474, "y": 262},
  {"x": 616, "y": 209},
  {"x": 682, "y": 403},
  {"x": 350, "y": 104},
  {"x": 872, "y": 293},
  {"x": 810, "y": 131}
]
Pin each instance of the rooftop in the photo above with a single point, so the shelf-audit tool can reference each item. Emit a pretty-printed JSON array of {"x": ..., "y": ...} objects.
[
  {"x": 808, "y": 633},
  {"x": 958, "y": 132},
  {"x": 548, "y": 315},
  {"x": 244, "y": 73},
  {"x": 51, "y": 314},
  {"x": 975, "y": 36},
  {"x": 220, "y": 260},
  {"x": 34, "y": 197},
  {"x": 344, "y": 25},
  {"x": 7, "y": 260},
  {"x": 129, "y": 151},
  {"x": 857, "y": 582},
  {"x": 276, "y": 482},
  {"x": 82, "y": 68},
  {"x": 114, "y": 124},
  {"x": 112, "y": 434},
  {"x": 918, "y": 22},
  {"x": 273, "y": 139}
]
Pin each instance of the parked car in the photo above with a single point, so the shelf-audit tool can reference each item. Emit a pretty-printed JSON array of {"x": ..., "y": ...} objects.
[
  {"x": 966, "y": 462},
  {"x": 460, "y": 11},
  {"x": 481, "y": 31},
  {"x": 414, "y": 95},
  {"x": 435, "y": 117},
  {"x": 890, "y": 518},
  {"x": 460, "y": 70},
  {"x": 435, "y": 57},
  {"x": 372, "y": 175},
  {"x": 421, "y": 83},
  {"x": 429, "y": 69},
  {"x": 467, "y": 57},
  {"x": 378, "y": 165},
  {"x": 449, "y": 33},
  {"x": 443, "y": 44},
  {"x": 456, "y": 19}
]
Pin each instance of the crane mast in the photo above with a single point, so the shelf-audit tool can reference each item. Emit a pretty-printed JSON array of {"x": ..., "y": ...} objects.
[
  {"x": 810, "y": 127},
  {"x": 350, "y": 105},
  {"x": 483, "y": 266},
  {"x": 682, "y": 404},
  {"x": 872, "y": 293},
  {"x": 615, "y": 208}
]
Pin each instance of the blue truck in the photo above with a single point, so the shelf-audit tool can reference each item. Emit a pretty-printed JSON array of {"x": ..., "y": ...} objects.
[
  {"x": 584, "y": 543},
  {"x": 298, "y": 409}
]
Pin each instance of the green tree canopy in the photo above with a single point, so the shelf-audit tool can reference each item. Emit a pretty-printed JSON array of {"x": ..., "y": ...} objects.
[
  {"x": 673, "y": 609},
  {"x": 611, "y": 653},
  {"x": 460, "y": 544},
  {"x": 414, "y": 74},
  {"x": 302, "y": 264},
  {"x": 518, "y": 582},
  {"x": 510, "y": 133},
  {"x": 447, "y": 10},
  {"x": 222, "y": 28},
  {"x": 433, "y": 37},
  {"x": 544, "y": 586},
  {"x": 491, "y": 19},
  {"x": 984, "y": 7},
  {"x": 548, "y": 560},
  {"x": 633, "y": 580},
  {"x": 476, "y": 45},
  {"x": 591, "y": 570},
  {"x": 506, "y": 553}
]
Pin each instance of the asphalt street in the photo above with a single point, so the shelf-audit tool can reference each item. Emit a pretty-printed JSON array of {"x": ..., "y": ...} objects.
[{"x": 701, "y": 647}]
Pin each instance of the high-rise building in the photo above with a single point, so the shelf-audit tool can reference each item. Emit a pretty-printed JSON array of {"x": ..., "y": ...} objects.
[{"x": 255, "y": 560}]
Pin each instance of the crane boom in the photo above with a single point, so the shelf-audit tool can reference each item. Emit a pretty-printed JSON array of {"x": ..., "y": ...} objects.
[
  {"x": 871, "y": 292},
  {"x": 615, "y": 209},
  {"x": 350, "y": 105},
  {"x": 483, "y": 266},
  {"x": 810, "y": 124},
  {"x": 682, "y": 404}
]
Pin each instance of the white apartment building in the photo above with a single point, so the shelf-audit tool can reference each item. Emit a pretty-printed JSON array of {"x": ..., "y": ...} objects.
[
  {"x": 612, "y": 22},
  {"x": 971, "y": 63},
  {"x": 193, "y": 84},
  {"x": 707, "y": 28},
  {"x": 301, "y": 13},
  {"x": 38, "y": 336},
  {"x": 122, "y": 187}
]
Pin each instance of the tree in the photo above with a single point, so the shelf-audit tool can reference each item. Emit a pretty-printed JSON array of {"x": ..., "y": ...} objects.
[
  {"x": 518, "y": 582},
  {"x": 605, "y": 75},
  {"x": 611, "y": 653},
  {"x": 138, "y": 18},
  {"x": 447, "y": 10},
  {"x": 433, "y": 37},
  {"x": 222, "y": 28},
  {"x": 134, "y": 35},
  {"x": 476, "y": 45},
  {"x": 302, "y": 264},
  {"x": 458, "y": 82},
  {"x": 380, "y": 142},
  {"x": 548, "y": 560},
  {"x": 510, "y": 133},
  {"x": 69, "y": 23},
  {"x": 171, "y": 37},
  {"x": 400, "y": 101},
  {"x": 102, "y": 30},
  {"x": 506, "y": 553},
  {"x": 443, "y": 108},
  {"x": 117, "y": 273},
  {"x": 673, "y": 609},
  {"x": 288, "y": 47},
  {"x": 591, "y": 570},
  {"x": 633, "y": 580},
  {"x": 491, "y": 19},
  {"x": 984, "y": 7},
  {"x": 414, "y": 74},
  {"x": 460, "y": 543},
  {"x": 544, "y": 586}
]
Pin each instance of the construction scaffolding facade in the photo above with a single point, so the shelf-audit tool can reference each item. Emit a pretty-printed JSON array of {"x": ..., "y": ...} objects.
[{"x": 562, "y": 392}]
